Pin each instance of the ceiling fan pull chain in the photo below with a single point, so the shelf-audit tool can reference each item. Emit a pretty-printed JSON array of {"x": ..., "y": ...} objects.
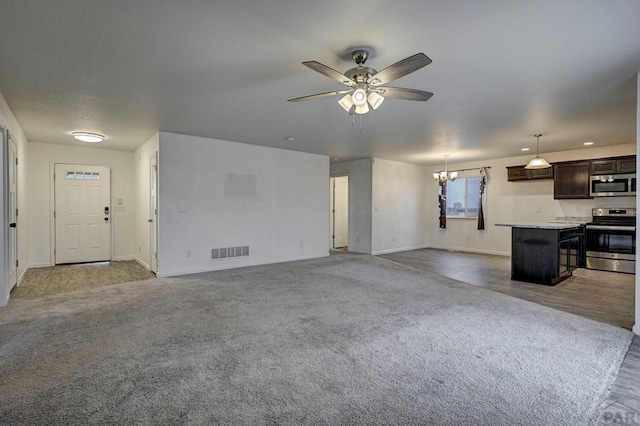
[{"x": 360, "y": 116}]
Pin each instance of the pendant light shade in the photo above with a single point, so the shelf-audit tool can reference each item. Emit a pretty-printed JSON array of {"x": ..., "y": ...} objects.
[{"x": 538, "y": 162}]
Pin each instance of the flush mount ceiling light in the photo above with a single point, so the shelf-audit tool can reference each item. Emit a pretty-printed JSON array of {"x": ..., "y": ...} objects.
[
  {"x": 365, "y": 84},
  {"x": 587, "y": 143},
  {"x": 88, "y": 137},
  {"x": 445, "y": 174},
  {"x": 538, "y": 162}
]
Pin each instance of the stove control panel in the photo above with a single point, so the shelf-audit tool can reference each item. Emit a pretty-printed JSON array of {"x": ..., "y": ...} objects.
[{"x": 614, "y": 212}]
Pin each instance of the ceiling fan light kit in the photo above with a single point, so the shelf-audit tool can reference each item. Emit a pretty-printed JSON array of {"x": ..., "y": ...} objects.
[
  {"x": 538, "y": 162},
  {"x": 365, "y": 82}
]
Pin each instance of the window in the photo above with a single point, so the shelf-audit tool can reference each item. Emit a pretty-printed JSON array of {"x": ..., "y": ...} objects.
[
  {"x": 83, "y": 175},
  {"x": 463, "y": 197}
]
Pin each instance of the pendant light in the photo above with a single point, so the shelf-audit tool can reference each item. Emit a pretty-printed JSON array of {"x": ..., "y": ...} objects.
[{"x": 538, "y": 162}]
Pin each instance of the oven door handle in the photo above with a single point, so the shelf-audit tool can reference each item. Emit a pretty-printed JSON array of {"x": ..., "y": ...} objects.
[{"x": 611, "y": 228}]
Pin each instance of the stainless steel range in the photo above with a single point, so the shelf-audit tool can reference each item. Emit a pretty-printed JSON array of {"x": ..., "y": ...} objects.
[{"x": 611, "y": 240}]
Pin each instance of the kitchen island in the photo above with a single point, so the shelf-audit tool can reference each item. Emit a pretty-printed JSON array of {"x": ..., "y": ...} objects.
[{"x": 544, "y": 253}]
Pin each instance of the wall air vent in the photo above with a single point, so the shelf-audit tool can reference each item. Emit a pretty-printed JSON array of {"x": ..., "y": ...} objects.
[{"x": 227, "y": 252}]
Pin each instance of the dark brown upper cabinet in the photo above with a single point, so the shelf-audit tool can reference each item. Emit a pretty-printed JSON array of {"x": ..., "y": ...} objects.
[
  {"x": 571, "y": 180},
  {"x": 611, "y": 166},
  {"x": 516, "y": 173},
  {"x": 603, "y": 167},
  {"x": 626, "y": 164}
]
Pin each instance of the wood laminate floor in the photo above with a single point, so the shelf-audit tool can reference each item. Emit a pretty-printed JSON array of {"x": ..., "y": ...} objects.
[
  {"x": 623, "y": 404},
  {"x": 599, "y": 295},
  {"x": 602, "y": 296}
]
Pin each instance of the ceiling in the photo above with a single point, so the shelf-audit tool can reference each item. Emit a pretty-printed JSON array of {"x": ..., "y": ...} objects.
[{"x": 502, "y": 71}]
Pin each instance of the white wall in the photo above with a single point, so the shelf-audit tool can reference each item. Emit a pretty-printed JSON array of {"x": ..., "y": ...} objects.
[
  {"x": 524, "y": 201},
  {"x": 285, "y": 219},
  {"x": 399, "y": 200},
  {"x": 8, "y": 120},
  {"x": 141, "y": 160},
  {"x": 42, "y": 157},
  {"x": 360, "y": 202}
]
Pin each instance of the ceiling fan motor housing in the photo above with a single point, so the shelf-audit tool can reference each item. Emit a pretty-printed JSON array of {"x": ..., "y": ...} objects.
[{"x": 360, "y": 74}]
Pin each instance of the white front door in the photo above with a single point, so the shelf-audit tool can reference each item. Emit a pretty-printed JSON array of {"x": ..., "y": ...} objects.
[
  {"x": 82, "y": 213},
  {"x": 153, "y": 213},
  {"x": 341, "y": 212},
  {"x": 13, "y": 214}
]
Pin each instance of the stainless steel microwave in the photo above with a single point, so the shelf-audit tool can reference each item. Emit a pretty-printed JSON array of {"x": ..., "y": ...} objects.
[{"x": 613, "y": 185}]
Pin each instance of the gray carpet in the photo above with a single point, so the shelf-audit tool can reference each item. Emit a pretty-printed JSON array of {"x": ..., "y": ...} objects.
[{"x": 341, "y": 340}]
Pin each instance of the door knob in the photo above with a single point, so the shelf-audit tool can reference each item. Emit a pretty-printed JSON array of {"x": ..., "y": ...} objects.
[
  {"x": 150, "y": 220},
  {"x": 106, "y": 219},
  {"x": 12, "y": 225}
]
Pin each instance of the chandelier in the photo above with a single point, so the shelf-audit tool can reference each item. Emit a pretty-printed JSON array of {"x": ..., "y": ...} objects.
[{"x": 445, "y": 174}]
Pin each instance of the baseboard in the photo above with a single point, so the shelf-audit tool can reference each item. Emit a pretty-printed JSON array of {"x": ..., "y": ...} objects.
[
  {"x": 237, "y": 265},
  {"x": 122, "y": 258},
  {"x": 471, "y": 250},
  {"x": 636, "y": 329},
  {"x": 141, "y": 263},
  {"x": 357, "y": 251},
  {"x": 41, "y": 265},
  {"x": 397, "y": 250},
  {"x": 21, "y": 277}
]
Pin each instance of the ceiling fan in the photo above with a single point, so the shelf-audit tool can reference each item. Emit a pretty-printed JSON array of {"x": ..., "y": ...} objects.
[{"x": 365, "y": 84}]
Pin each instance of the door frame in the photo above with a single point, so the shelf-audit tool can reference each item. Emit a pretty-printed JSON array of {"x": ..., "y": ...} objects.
[
  {"x": 153, "y": 213},
  {"x": 12, "y": 213},
  {"x": 4, "y": 203},
  {"x": 332, "y": 212},
  {"x": 52, "y": 206}
]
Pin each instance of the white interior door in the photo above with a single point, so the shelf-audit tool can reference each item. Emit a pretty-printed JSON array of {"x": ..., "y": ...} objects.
[
  {"x": 13, "y": 213},
  {"x": 341, "y": 212},
  {"x": 153, "y": 213},
  {"x": 82, "y": 213}
]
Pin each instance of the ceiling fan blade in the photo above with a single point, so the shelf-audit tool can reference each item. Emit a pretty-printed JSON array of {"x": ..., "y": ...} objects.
[
  {"x": 400, "y": 69},
  {"x": 320, "y": 95},
  {"x": 329, "y": 72},
  {"x": 402, "y": 93}
]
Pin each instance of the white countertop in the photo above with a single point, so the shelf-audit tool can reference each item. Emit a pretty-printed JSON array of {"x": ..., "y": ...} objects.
[{"x": 541, "y": 225}]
